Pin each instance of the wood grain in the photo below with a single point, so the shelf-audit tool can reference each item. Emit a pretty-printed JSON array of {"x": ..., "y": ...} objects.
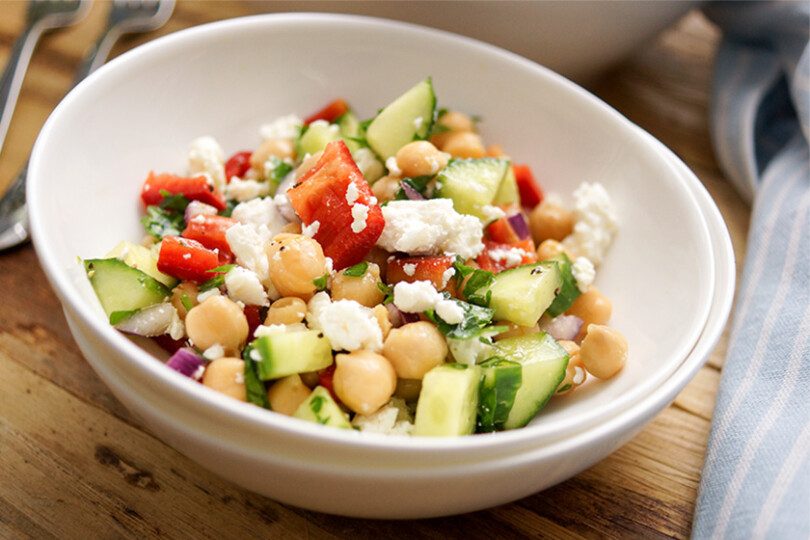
[{"x": 75, "y": 463}]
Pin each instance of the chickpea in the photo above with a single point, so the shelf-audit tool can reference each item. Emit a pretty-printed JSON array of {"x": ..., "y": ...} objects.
[
  {"x": 295, "y": 261},
  {"x": 451, "y": 122},
  {"x": 291, "y": 228},
  {"x": 603, "y": 351},
  {"x": 363, "y": 380},
  {"x": 464, "y": 145},
  {"x": 179, "y": 301},
  {"x": 592, "y": 307},
  {"x": 408, "y": 389},
  {"x": 287, "y": 310},
  {"x": 362, "y": 289},
  {"x": 217, "y": 320},
  {"x": 420, "y": 158},
  {"x": 515, "y": 330},
  {"x": 226, "y": 375},
  {"x": 311, "y": 379},
  {"x": 575, "y": 373},
  {"x": 496, "y": 151},
  {"x": 386, "y": 188},
  {"x": 307, "y": 164},
  {"x": 380, "y": 313},
  {"x": 414, "y": 349},
  {"x": 287, "y": 394},
  {"x": 549, "y": 249},
  {"x": 280, "y": 148},
  {"x": 549, "y": 220}
]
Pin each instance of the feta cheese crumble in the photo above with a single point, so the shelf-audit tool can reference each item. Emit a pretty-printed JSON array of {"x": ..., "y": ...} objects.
[
  {"x": 584, "y": 273},
  {"x": 595, "y": 223},
  {"x": 430, "y": 227},
  {"x": 420, "y": 296},
  {"x": 213, "y": 352},
  {"x": 284, "y": 127},
  {"x": 393, "y": 418},
  {"x": 246, "y": 190},
  {"x": 205, "y": 155},
  {"x": 393, "y": 167},
  {"x": 359, "y": 217},
  {"x": 244, "y": 286},
  {"x": 350, "y": 326},
  {"x": 312, "y": 229}
]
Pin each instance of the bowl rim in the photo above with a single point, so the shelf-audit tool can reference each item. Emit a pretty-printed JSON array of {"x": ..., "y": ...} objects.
[{"x": 145, "y": 362}]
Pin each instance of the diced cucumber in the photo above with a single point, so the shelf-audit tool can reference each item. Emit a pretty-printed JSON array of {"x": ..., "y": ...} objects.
[
  {"x": 316, "y": 137},
  {"x": 522, "y": 294},
  {"x": 448, "y": 401},
  {"x": 543, "y": 363},
  {"x": 120, "y": 287},
  {"x": 142, "y": 258},
  {"x": 349, "y": 127},
  {"x": 508, "y": 192},
  {"x": 284, "y": 353},
  {"x": 472, "y": 183},
  {"x": 320, "y": 408},
  {"x": 500, "y": 381},
  {"x": 569, "y": 290},
  {"x": 407, "y": 118}
]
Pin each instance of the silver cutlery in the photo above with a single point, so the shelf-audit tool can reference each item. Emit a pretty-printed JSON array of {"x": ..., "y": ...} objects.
[{"x": 126, "y": 16}]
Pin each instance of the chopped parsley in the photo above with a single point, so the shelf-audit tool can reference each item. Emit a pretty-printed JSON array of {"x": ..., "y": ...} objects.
[
  {"x": 479, "y": 280},
  {"x": 160, "y": 222},
  {"x": 473, "y": 323},
  {"x": 358, "y": 270},
  {"x": 218, "y": 280},
  {"x": 320, "y": 283}
]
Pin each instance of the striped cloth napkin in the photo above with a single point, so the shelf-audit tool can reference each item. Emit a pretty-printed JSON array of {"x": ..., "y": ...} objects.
[{"x": 756, "y": 476}]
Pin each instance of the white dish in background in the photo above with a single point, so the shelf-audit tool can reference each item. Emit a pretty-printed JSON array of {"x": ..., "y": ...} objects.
[{"x": 139, "y": 113}]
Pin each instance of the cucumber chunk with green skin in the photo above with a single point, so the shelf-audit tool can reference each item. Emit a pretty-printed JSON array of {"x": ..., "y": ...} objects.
[
  {"x": 284, "y": 353},
  {"x": 407, "y": 118},
  {"x": 543, "y": 363},
  {"x": 522, "y": 294},
  {"x": 508, "y": 192},
  {"x": 472, "y": 184},
  {"x": 569, "y": 290},
  {"x": 448, "y": 402},
  {"x": 121, "y": 288},
  {"x": 320, "y": 408},
  {"x": 315, "y": 138},
  {"x": 500, "y": 381},
  {"x": 142, "y": 258},
  {"x": 349, "y": 127}
]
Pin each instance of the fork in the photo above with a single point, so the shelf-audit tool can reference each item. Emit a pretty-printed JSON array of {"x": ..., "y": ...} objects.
[
  {"x": 126, "y": 16},
  {"x": 41, "y": 17}
]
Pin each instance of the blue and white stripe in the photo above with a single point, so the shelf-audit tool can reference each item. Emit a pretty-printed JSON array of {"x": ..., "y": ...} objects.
[{"x": 756, "y": 476}]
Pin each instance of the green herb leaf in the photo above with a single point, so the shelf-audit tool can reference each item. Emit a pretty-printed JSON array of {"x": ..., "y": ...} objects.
[
  {"x": 160, "y": 222},
  {"x": 256, "y": 392},
  {"x": 186, "y": 301},
  {"x": 118, "y": 316},
  {"x": 320, "y": 283},
  {"x": 475, "y": 319},
  {"x": 358, "y": 270},
  {"x": 218, "y": 280},
  {"x": 387, "y": 290},
  {"x": 176, "y": 202},
  {"x": 277, "y": 169},
  {"x": 316, "y": 404},
  {"x": 230, "y": 204},
  {"x": 479, "y": 280}
]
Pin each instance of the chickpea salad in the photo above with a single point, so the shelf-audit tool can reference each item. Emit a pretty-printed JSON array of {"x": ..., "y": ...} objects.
[{"x": 393, "y": 275}]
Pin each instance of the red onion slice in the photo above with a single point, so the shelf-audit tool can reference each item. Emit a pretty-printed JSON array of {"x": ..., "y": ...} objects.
[
  {"x": 150, "y": 321},
  {"x": 561, "y": 327},
  {"x": 519, "y": 225},
  {"x": 187, "y": 362},
  {"x": 397, "y": 317},
  {"x": 411, "y": 193}
]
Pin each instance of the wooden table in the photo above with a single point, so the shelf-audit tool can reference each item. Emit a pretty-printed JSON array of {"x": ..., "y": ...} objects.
[{"x": 75, "y": 464}]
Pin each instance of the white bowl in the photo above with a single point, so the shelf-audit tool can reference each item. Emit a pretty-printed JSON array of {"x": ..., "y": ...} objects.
[{"x": 225, "y": 79}]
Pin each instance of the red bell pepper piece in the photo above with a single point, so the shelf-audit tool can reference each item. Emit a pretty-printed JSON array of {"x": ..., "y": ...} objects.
[
  {"x": 330, "y": 113},
  {"x": 497, "y": 257},
  {"x": 322, "y": 194},
  {"x": 209, "y": 230},
  {"x": 530, "y": 193},
  {"x": 429, "y": 268},
  {"x": 326, "y": 378},
  {"x": 186, "y": 259},
  {"x": 253, "y": 316},
  {"x": 502, "y": 232},
  {"x": 237, "y": 165},
  {"x": 194, "y": 188}
]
